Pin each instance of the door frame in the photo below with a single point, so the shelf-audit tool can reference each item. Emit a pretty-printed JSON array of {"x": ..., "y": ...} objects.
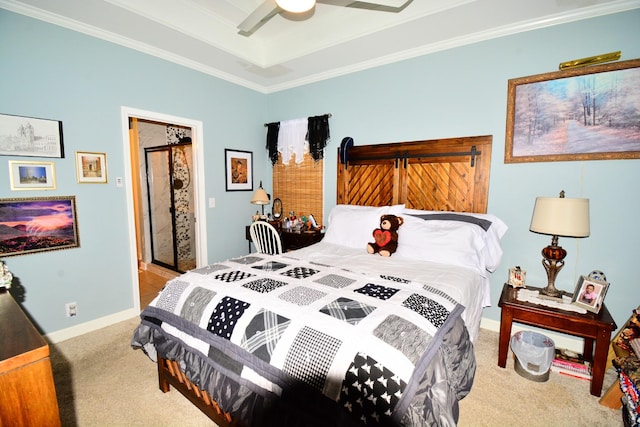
[{"x": 197, "y": 138}]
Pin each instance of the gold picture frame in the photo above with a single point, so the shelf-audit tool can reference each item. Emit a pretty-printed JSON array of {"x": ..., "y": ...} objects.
[
  {"x": 38, "y": 224},
  {"x": 587, "y": 113},
  {"x": 32, "y": 175}
]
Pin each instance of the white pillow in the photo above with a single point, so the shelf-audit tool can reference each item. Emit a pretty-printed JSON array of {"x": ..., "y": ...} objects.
[
  {"x": 443, "y": 242},
  {"x": 353, "y": 225},
  {"x": 476, "y": 243}
]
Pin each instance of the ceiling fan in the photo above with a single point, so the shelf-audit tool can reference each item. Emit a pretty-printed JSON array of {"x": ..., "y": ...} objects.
[{"x": 269, "y": 8}]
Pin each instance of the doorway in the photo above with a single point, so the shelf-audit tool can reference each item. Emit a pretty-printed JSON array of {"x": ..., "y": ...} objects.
[
  {"x": 182, "y": 151},
  {"x": 170, "y": 205}
]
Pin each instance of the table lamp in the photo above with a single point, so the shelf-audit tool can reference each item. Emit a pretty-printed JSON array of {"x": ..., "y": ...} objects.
[
  {"x": 558, "y": 216},
  {"x": 260, "y": 197}
]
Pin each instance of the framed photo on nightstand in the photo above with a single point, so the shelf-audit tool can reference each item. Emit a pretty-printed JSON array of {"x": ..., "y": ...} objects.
[{"x": 589, "y": 294}]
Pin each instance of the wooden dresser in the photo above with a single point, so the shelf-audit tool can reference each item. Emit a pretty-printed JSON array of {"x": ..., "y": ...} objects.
[{"x": 27, "y": 392}]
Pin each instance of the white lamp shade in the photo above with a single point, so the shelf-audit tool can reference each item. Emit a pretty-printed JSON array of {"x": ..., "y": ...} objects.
[
  {"x": 559, "y": 216},
  {"x": 260, "y": 197},
  {"x": 296, "y": 6}
]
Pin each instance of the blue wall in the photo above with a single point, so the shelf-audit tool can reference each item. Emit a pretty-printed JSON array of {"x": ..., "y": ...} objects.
[{"x": 51, "y": 72}]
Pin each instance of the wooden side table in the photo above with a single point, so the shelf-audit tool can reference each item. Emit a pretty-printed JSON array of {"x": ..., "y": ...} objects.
[{"x": 590, "y": 326}]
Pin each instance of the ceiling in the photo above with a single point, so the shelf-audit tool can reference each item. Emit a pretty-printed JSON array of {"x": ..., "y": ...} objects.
[{"x": 284, "y": 53}]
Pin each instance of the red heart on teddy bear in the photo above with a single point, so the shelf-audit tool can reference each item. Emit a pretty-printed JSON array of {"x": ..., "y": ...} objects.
[{"x": 382, "y": 237}]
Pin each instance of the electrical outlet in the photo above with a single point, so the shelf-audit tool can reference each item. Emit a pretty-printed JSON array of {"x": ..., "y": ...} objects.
[{"x": 72, "y": 309}]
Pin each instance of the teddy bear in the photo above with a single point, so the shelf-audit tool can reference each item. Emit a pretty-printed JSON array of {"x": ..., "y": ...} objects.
[{"x": 386, "y": 237}]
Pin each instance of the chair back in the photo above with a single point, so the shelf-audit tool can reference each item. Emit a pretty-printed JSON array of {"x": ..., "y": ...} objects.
[{"x": 265, "y": 237}]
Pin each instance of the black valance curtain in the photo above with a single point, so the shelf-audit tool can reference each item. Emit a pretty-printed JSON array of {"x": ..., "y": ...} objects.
[
  {"x": 317, "y": 135},
  {"x": 272, "y": 141}
]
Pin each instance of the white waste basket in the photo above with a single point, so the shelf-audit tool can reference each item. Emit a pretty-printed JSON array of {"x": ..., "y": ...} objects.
[{"x": 534, "y": 353}]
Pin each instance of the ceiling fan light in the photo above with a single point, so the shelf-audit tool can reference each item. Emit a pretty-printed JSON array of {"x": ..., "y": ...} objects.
[{"x": 296, "y": 6}]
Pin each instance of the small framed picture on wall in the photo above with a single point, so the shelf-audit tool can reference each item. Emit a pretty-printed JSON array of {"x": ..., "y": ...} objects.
[
  {"x": 238, "y": 170},
  {"x": 91, "y": 168},
  {"x": 32, "y": 175}
]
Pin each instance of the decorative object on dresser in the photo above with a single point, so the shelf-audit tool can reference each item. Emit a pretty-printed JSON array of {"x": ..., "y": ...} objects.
[
  {"x": 276, "y": 209},
  {"x": 26, "y": 380},
  {"x": 558, "y": 216},
  {"x": 5, "y": 276}
]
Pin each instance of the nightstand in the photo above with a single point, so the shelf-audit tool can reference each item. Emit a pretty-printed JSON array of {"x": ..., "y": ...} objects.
[{"x": 590, "y": 326}]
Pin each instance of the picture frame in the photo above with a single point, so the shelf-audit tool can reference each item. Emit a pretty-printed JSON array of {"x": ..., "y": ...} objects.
[
  {"x": 38, "y": 224},
  {"x": 91, "y": 168},
  {"x": 30, "y": 137},
  {"x": 586, "y": 113},
  {"x": 238, "y": 167},
  {"x": 32, "y": 175},
  {"x": 585, "y": 286}
]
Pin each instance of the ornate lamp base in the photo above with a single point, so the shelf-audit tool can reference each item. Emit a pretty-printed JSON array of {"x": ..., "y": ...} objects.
[{"x": 553, "y": 262}]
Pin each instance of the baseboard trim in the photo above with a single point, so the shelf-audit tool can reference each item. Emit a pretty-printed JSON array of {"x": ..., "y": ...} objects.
[{"x": 93, "y": 325}]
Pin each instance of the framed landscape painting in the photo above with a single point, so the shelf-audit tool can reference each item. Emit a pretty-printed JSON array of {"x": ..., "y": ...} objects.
[
  {"x": 37, "y": 224},
  {"x": 588, "y": 113}
]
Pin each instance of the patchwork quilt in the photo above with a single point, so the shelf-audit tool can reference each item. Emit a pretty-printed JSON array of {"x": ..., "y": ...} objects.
[{"x": 281, "y": 341}]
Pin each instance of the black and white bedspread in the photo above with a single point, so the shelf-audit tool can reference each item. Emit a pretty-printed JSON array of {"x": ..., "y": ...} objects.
[{"x": 281, "y": 341}]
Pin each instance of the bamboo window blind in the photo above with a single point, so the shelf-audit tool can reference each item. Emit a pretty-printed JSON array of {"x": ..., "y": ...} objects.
[{"x": 299, "y": 186}]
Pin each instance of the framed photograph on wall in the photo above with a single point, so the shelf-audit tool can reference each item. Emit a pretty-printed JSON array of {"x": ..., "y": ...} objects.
[
  {"x": 589, "y": 294},
  {"x": 38, "y": 224},
  {"x": 238, "y": 167},
  {"x": 31, "y": 137},
  {"x": 587, "y": 113},
  {"x": 32, "y": 175},
  {"x": 91, "y": 168}
]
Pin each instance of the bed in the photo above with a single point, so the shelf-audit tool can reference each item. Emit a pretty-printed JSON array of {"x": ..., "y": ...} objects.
[{"x": 329, "y": 334}]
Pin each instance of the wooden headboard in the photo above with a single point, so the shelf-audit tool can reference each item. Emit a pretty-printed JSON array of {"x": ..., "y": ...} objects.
[{"x": 442, "y": 174}]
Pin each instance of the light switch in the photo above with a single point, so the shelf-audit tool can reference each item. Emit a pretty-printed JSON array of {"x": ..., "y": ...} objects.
[
  {"x": 119, "y": 182},
  {"x": 212, "y": 202}
]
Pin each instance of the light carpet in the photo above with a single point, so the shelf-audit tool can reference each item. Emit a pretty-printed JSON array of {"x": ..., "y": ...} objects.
[{"x": 101, "y": 381}]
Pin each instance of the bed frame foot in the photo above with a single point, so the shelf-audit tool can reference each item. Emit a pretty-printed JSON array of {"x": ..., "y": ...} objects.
[{"x": 169, "y": 374}]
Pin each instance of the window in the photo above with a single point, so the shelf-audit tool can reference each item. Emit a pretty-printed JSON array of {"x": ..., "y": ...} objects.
[{"x": 300, "y": 187}]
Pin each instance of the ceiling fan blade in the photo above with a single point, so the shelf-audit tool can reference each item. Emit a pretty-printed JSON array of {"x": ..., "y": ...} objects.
[
  {"x": 381, "y": 5},
  {"x": 263, "y": 13}
]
